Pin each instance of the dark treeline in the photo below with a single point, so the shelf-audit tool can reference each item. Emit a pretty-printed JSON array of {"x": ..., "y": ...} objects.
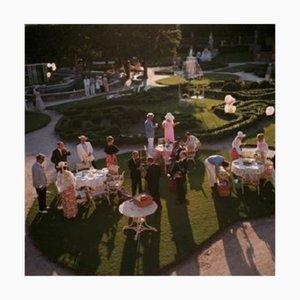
[{"x": 68, "y": 43}]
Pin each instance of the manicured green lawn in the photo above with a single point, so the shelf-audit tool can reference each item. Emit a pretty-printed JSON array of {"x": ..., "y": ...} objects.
[
  {"x": 93, "y": 243},
  {"x": 269, "y": 132},
  {"x": 209, "y": 77},
  {"x": 233, "y": 57},
  {"x": 34, "y": 121},
  {"x": 246, "y": 68}
]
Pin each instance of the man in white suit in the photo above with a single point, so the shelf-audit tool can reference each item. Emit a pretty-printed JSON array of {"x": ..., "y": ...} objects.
[{"x": 85, "y": 151}]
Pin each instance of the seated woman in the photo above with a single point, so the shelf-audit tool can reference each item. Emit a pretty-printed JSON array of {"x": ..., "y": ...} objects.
[
  {"x": 65, "y": 183},
  {"x": 111, "y": 150},
  {"x": 177, "y": 148},
  {"x": 262, "y": 147},
  {"x": 192, "y": 141}
]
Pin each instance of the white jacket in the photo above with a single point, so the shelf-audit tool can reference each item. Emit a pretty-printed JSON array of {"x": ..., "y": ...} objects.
[{"x": 83, "y": 155}]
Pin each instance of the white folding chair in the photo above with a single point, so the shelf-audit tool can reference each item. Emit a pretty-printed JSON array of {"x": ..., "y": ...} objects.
[
  {"x": 115, "y": 185},
  {"x": 84, "y": 196}
]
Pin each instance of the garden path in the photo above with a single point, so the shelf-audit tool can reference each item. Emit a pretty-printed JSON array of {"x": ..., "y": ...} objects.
[{"x": 246, "y": 233}]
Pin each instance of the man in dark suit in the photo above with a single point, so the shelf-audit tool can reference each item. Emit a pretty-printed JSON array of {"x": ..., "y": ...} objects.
[
  {"x": 178, "y": 173},
  {"x": 59, "y": 154},
  {"x": 134, "y": 165},
  {"x": 152, "y": 177}
]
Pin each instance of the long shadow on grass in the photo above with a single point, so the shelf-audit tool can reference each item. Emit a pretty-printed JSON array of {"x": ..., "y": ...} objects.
[
  {"x": 141, "y": 257},
  {"x": 182, "y": 234},
  {"x": 196, "y": 176},
  {"x": 232, "y": 209},
  {"x": 75, "y": 242},
  {"x": 268, "y": 199}
]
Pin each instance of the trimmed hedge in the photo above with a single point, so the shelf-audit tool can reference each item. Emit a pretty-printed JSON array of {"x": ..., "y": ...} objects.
[{"x": 116, "y": 116}]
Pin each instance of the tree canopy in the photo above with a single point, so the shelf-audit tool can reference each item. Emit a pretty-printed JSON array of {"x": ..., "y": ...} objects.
[{"x": 65, "y": 44}]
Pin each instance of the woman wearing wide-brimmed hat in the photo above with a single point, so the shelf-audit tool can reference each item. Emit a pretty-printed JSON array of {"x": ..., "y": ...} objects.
[
  {"x": 65, "y": 183},
  {"x": 168, "y": 124},
  {"x": 236, "y": 151}
]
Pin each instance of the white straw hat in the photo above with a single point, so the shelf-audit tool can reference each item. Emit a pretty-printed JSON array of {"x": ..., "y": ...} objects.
[
  {"x": 62, "y": 164},
  {"x": 240, "y": 134},
  {"x": 169, "y": 116}
]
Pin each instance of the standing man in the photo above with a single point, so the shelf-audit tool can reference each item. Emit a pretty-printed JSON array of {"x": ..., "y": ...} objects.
[
  {"x": 39, "y": 181},
  {"x": 59, "y": 154},
  {"x": 179, "y": 175},
  {"x": 85, "y": 151},
  {"x": 134, "y": 165},
  {"x": 212, "y": 165},
  {"x": 149, "y": 128},
  {"x": 152, "y": 178}
]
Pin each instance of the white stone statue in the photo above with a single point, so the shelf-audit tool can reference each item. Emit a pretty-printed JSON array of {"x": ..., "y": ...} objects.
[{"x": 206, "y": 55}]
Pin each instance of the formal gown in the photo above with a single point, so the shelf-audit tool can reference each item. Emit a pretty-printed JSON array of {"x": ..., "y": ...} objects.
[
  {"x": 39, "y": 104},
  {"x": 169, "y": 131}
]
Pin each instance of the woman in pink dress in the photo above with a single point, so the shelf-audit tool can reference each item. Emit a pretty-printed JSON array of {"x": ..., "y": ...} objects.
[{"x": 168, "y": 124}]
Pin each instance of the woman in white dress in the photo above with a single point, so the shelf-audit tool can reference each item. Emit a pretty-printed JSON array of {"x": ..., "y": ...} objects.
[{"x": 39, "y": 104}]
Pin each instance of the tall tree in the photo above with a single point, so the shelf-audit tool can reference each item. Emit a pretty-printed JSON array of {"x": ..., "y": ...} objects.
[{"x": 65, "y": 44}]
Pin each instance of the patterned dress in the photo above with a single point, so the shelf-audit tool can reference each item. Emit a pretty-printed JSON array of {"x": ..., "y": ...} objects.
[{"x": 65, "y": 183}]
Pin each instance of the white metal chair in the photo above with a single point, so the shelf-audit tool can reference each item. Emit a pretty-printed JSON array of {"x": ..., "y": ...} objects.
[
  {"x": 85, "y": 197},
  {"x": 115, "y": 185}
]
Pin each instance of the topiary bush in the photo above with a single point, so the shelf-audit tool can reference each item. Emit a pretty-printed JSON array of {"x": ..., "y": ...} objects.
[
  {"x": 265, "y": 84},
  {"x": 254, "y": 85},
  {"x": 231, "y": 86}
]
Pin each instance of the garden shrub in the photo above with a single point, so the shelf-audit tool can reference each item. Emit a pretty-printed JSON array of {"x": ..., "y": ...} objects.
[
  {"x": 265, "y": 84},
  {"x": 134, "y": 115},
  {"x": 254, "y": 85},
  {"x": 101, "y": 118},
  {"x": 76, "y": 123},
  {"x": 216, "y": 85},
  {"x": 231, "y": 86}
]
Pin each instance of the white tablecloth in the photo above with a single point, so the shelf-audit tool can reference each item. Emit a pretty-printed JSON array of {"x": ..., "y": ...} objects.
[
  {"x": 163, "y": 151},
  {"x": 130, "y": 209},
  {"x": 249, "y": 171},
  {"x": 91, "y": 178}
]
